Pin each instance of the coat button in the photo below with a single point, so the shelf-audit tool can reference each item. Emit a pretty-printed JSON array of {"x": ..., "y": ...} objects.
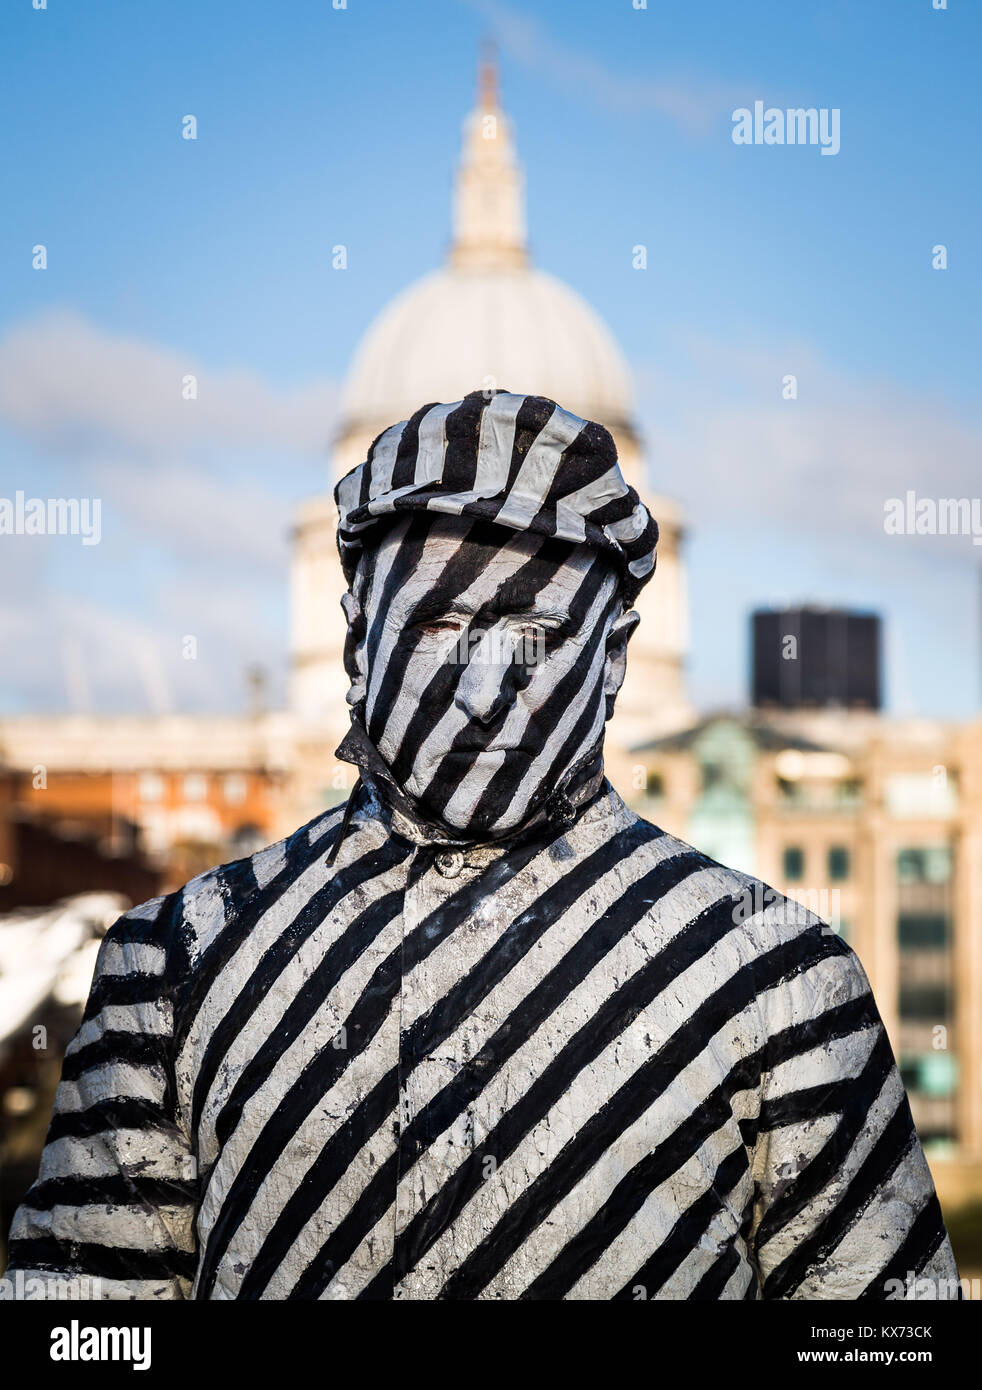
[{"x": 449, "y": 865}]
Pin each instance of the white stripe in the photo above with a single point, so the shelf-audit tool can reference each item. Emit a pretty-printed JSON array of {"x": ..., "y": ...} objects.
[
  {"x": 868, "y": 1245},
  {"x": 112, "y": 1081},
  {"x": 130, "y": 958},
  {"x": 383, "y": 462},
  {"x": 44, "y": 1284},
  {"x": 496, "y": 444},
  {"x": 151, "y": 1018},
  {"x": 132, "y": 1227},
  {"x": 431, "y": 448},
  {"x": 144, "y": 1153},
  {"x": 598, "y": 493},
  {"x": 538, "y": 468}
]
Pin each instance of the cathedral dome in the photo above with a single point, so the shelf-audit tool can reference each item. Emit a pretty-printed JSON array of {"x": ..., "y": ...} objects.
[{"x": 463, "y": 328}]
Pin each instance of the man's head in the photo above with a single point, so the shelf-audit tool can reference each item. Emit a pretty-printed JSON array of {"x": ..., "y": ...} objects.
[
  {"x": 488, "y": 662},
  {"x": 492, "y": 550}
]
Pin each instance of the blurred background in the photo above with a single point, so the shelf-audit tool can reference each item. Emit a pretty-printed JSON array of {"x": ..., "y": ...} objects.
[{"x": 240, "y": 241}]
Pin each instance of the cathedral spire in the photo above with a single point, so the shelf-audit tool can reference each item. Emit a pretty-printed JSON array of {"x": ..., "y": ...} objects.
[{"x": 489, "y": 189}]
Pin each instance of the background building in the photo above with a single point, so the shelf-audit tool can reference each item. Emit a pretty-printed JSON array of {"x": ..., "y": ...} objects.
[{"x": 815, "y": 657}]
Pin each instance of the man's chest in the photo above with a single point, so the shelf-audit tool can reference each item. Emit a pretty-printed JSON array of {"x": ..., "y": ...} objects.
[{"x": 437, "y": 1093}]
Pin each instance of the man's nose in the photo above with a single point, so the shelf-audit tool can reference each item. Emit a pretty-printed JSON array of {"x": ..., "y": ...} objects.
[{"x": 487, "y": 683}]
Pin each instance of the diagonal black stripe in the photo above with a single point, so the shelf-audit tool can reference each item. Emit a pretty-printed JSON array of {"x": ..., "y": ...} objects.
[
  {"x": 292, "y": 933},
  {"x": 324, "y": 1174},
  {"x": 827, "y": 1162},
  {"x": 633, "y": 1098},
  {"x": 883, "y": 1159},
  {"x": 715, "y": 1280},
  {"x": 432, "y": 1028},
  {"x": 465, "y": 566},
  {"x": 568, "y": 692},
  {"x": 634, "y": 1189},
  {"x": 101, "y": 1261},
  {"x": 361, "y": 1025},
  {"x": 918, "y": 1246},
  {"x": 250, "y": 906},
  {"x": 610, "y": 1019},
  {"x": 354, "y": 941},
  {"x": 688, "y": 1229},
  {"x": 119, "y": 1189},
  {"x": 409, "y": 554},
  {"x": 374, "y": 1200}
]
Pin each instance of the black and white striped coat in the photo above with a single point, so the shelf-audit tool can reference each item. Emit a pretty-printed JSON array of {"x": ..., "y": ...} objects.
[{"x": 589, "y": 1067}]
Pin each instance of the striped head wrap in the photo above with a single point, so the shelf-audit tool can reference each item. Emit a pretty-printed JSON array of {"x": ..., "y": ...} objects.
[{"x": 519, "y": 461}]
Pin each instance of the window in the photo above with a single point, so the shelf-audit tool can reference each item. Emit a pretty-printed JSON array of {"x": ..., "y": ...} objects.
[
  {"x": 926, "y": 1003},
  {"x": 923, "y": 929},
  {"x": 838, "y": 863},
  {"x": 234, "y": 788},
  {"x": 195, "y": 787},
  {"x": 924, "y": 865},
  {"x": 794, "y": 863},
  {"x": 932, "y": 1074},
  {"x": 151, "y": 787}
]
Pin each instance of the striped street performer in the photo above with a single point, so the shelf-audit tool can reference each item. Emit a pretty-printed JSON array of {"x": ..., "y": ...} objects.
[{"x": 482, "y": 1032}]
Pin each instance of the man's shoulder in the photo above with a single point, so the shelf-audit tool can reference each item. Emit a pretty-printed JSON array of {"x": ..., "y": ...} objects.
[
  {"x": 186, "y": 923},
  {"x": 762, "y": 914},
  {"x": 788, "y": 953}
]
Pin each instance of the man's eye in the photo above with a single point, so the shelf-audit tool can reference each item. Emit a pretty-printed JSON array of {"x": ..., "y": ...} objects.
[{"x": 536, "y": 632}]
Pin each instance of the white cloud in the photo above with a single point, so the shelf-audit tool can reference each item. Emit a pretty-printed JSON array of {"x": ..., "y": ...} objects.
[
  {"x": 196, "y": 515},
  {"x": 65, "y": 381},
  {"x": 197, "y": 499},
  {"x": 721, "y": 437}
]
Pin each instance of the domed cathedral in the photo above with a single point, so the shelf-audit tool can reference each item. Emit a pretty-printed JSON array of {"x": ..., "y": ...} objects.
[{"x": 486, "y": 319}]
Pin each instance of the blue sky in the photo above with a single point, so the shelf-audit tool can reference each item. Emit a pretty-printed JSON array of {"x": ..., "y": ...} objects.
[{"x": 319, "y": 126}]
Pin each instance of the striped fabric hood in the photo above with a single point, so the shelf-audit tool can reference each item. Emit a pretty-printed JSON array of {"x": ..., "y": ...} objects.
[{"x": 517, "y": 460}]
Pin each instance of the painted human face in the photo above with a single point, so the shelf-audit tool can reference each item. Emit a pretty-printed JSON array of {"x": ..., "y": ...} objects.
[{"x": 490, "y": 660}]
